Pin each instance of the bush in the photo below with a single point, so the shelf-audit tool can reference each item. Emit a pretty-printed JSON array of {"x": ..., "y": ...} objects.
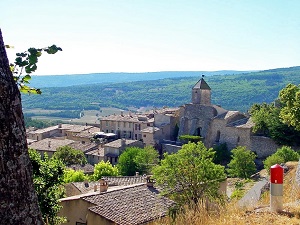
[
  {"x": 242, "y": 163},
  {"x": 191, "y": 138},
  {"x": 282, "y": 155}
]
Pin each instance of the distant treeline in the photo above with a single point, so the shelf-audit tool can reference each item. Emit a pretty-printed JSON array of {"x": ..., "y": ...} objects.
[
  {"x": 29, "y": 122},
  {"x": 232, "y": 92},
  {"x": 70, "y": 114}
]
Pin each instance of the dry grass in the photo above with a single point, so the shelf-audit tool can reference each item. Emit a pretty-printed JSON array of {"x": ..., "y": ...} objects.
[{"x": 231, "y": 214}]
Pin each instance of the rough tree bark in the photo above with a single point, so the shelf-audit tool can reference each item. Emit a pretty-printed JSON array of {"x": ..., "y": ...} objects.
[{"x": 18, "y": 200}]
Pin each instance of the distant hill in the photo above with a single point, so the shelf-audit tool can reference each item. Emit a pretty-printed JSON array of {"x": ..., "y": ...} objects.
[
  {"x": 233, "y": 92},
  {"x": 97, "y": 78}
]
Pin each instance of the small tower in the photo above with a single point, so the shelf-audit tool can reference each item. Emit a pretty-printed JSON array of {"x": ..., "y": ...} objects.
[{"x": 201, "y": 93}]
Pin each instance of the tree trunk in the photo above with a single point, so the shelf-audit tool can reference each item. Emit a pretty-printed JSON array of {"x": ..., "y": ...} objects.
[{"x": 18, "y": 200}]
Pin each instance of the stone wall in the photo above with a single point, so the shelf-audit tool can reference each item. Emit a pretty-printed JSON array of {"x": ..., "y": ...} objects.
[
  {"x": 194, "y": 116},
  {"x": 169, "y": 148},
  {"x": 263, "y": 146}
]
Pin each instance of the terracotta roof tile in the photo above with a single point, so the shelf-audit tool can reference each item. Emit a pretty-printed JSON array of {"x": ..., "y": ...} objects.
[{"x": 131, "y": 205}]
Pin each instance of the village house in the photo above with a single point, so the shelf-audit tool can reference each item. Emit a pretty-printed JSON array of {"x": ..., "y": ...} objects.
[
  {"x": 126, "y": 126},
  {"x": 49, "y": 145},
  {"x": 134, "y": 204}
]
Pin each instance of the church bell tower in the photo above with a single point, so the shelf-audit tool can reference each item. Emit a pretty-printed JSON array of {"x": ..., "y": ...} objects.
[{"x": 201, "y": 93}]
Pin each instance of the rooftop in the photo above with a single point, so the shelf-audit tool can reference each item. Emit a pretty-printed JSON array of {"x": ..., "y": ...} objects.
[
  {"x": 118, "y": 143},
  {"x": 136, "y": 204},
  {"x": 50, "y": 144}
]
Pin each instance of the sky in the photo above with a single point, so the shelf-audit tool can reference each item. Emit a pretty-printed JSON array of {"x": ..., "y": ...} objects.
[{"x": 100, "y": 36}]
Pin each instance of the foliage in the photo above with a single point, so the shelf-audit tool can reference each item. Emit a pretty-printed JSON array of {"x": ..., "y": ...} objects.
[
  {"x": 48, "y": 179},
  {"x": 70, "y": 156},
  {"x": 28, "y": 61},
  {"x": 104, "y": 169},
  {"x": 267, "y": 122},
  {"x": 282, "y": 155},
  {"x": 186, "y": 138},
  {"x": 272, "y": 160},
  {"x": 29, "y": 122},
  {"x": 222, "y": 154},
  {"x": 71, "y": 175},
  {"x": 290, "y": 113},
  {"x": 190, "y": 174},
  {"x": 135, "y": 159},
  {"x": 242, "y": 163}
]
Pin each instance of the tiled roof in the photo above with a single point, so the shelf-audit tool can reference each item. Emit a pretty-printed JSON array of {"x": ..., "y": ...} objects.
[
  {"x": 85, "y": 147},
  {"x": 150, "y": 130},
  {"x": 87, "y": 168},
  {"x": 201, "y": 84},
  {"x": 85, "y": 187},
  {"x": 88, "y": 133},
  {"x": 49, "y": 144},
  {"x": 133, "y": 205},
  {"x": 96, "y": 152},
  {"x": 124, "y": 180},
  {"x": 118, "y": 143},
  {"x": 243, "y": 123},
  {"x": 126, "y": 118},
  {"x": 227, "y": 114}
]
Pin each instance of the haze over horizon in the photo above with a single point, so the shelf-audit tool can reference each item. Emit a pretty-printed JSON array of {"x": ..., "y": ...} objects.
[{"x": 150, "y": 36}]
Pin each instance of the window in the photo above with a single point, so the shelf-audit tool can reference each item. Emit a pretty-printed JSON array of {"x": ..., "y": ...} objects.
[
  {"x": 144, "y": 135},
  {"x": 139, "y": 126},
  {"x": 112, "y": 131},
  {"x": 148, "y": 124},
  {"x": 106, "y": 122},
  {"x": 129, "y": 125},
  {"x": 124, "y": 124},
  {"x": 218, "y": 136},
  {"x": 238, "y": 139},
  {"x": 118, "y": 123}
]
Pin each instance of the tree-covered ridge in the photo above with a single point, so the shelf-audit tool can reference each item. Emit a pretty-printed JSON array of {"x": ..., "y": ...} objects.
[{"x": 233, "y": 92}]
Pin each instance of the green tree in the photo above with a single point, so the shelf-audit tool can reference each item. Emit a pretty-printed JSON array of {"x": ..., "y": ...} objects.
[
  {"x": 146, "y": 159},
  {"x": 135, "y": 159},
  {"x": 282, "y": 155},
  {"x": 70, "y": 156},
  {"x": 104, "y": 169},
  {"x": 190, "y": 174},
  {"x": 242, "y": 163},
  {"x": 48, "y": 179},
  {"x": 290, "y": 113},
  {"x": 267, "y": 122},
  {"x": 71, "y": 175}
]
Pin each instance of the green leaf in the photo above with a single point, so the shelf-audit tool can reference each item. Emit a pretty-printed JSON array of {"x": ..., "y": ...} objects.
[{"x": 26, "y": 78}]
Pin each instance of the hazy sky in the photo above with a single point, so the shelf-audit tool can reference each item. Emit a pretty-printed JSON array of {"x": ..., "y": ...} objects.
[{"x": 155, "y": 35}]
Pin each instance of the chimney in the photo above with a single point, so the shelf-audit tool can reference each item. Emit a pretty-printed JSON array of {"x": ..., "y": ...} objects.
[
  {"x": 123, "y": 143},
  {"x": 122, "y": 113},
  {"x": 103, "y": 185},
  {"x": 149, "y": 181},
  {"x": 59, "y": 125},
  {"x": 95, "y": 187},
  {"x": 137, "y": 174},
  {"x": 86, "y": 183}
]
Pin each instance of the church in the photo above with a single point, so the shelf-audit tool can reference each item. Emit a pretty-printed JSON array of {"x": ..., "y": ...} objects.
[{"x": 217, "y": 125}]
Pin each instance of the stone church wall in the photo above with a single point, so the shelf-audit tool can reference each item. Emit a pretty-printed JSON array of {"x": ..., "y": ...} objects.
[{"x": 263, "y": 146}]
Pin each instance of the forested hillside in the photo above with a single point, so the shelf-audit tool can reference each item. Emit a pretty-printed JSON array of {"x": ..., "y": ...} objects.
[{"x": 233, "y": 92}]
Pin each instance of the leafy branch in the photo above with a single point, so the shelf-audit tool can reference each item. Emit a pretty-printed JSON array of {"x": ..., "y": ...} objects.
[{"x": 27, "y": 61}]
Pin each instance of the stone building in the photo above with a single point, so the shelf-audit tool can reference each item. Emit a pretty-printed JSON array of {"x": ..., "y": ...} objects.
[
  {"x": 126, "y": 126},
  {"x": 217, "y": 125}
]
